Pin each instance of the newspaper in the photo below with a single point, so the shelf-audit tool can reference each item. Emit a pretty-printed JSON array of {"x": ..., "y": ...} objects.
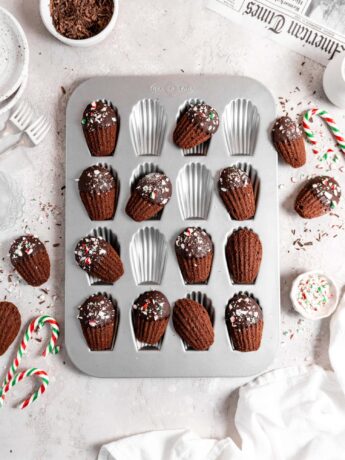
[{"x": 314, "y": 28}]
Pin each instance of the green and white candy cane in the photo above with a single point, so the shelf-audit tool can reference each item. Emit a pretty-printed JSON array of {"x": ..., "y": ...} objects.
[
  {"x": 307, "y": 119},
  {"x": 35, "y": 325},
  {"x": 43, "y": 377}
]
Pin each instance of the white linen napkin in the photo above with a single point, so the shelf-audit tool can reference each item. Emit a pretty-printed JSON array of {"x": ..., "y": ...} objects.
[{"x": 297, "y": 413}]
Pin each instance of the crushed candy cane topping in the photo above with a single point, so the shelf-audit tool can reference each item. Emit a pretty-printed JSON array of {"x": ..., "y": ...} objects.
[
  {"x": 194, "y": 242},
  {"x": 155, "y": 187},
  {"x": 99, "y": 114},
  {"x": 89, "y": 250},
  {"x": 25, "y": 245},
  {"x": 315, "y": 293},
  {"x": 153, "y": 305},
  {"x": 231, "y": 178},
  {"x": 98, "y": 310},
  {"x": 243, "y": 311}
]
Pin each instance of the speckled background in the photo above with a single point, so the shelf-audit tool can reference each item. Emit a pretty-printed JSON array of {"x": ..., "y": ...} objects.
[{"x": 78, "y": 413}]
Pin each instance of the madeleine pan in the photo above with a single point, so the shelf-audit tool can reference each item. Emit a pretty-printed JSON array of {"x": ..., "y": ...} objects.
[{"x": 148, "y": 108}]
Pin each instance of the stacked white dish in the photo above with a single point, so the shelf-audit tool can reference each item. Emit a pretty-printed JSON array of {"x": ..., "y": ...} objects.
[{"x": 14, "y": 61}]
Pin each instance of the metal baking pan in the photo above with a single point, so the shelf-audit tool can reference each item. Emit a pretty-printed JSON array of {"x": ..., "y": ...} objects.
[{"x": 148, "y": 108}]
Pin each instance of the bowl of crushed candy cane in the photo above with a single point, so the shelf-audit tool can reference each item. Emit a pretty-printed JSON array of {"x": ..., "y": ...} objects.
[
  {"x": 314, "y": 295},
  {"x": 80, "y": 23}
]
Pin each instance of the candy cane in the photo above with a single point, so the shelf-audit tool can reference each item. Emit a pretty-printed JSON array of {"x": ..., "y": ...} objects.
[
  {"x": 52, "y": 348},
  {"x": 330, "y": 123},
  {"x": 42, "y": 375}
]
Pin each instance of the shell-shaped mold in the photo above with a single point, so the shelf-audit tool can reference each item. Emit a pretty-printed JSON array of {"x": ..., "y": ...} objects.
[
  {"x": 254, "y": 177},
  {"x": 194, "y": 191},
  {"x": 148, "y": 251},
  {"x": 241, "y": 123},
  {"x": 110, "y": 237},
  {"x": 147, "y": 125},
  {"x": 206, "y": 302},
  {"x": 201, "y": 149}
]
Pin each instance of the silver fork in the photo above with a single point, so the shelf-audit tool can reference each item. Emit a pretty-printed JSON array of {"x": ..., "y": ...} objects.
[
  {"x": 20, "y": 118},
  {"x": 36, "y": 132}
]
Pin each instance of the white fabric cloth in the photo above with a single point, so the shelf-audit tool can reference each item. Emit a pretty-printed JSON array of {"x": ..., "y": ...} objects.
[{"x": 297, "y": 413}]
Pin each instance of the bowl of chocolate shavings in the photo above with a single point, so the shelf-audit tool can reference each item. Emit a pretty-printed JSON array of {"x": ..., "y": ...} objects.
[{"x": 79, "y": 22}]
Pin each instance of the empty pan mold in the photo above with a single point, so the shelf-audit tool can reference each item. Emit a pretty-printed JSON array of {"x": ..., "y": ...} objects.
[
  {"x": 194, "y": 191},
  {"x": 201, "y": 149},
  {"x": 147, "y": 123},
  {"x": 241, "y": 123},
  {"x": 148, "y": 251}
]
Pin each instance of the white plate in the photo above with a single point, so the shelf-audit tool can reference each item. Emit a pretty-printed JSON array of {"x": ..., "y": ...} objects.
[
  {"x": 10, "y": 102},
  {"x": 14, "y": 54}
]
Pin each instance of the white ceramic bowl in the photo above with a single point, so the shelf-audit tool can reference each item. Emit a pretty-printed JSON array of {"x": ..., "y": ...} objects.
[
  {"x": 48, "y": 22},
  {"x": 14, "y": 55},
  {"x": 314, "y": 315}
]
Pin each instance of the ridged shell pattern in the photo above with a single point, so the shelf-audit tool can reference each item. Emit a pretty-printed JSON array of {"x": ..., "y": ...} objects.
[
  {"x": 201, "y": 149},
  {"x": 110, "y": 237},
  {"x": 148, "y": 250},
  {"x": 206, "y": 302},
  {"x": 147, "y": 126},
  {"x": 194, "y": 186},
  {"x": 241, "y": 123}
]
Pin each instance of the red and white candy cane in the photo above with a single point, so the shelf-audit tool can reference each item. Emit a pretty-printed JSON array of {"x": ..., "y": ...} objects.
[
  {"x": 35, "y": 325},
  {"x": 43, "y": 377},
  {"x": 307, "y": 119}
]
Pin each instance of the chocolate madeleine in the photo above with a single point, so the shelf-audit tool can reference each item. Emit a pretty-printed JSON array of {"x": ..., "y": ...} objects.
[
  {"x": 98, "y": 191},
  {"x": 195, "y": 126},
  {"x": 193, "y": 324},
  {"x": 98, "y": 318},
  {"x": 151, "y": 193},
  {"x": 236, "y": 191},
  {"x": 10, "y": 322},
  {"x": 100, "y": 127},
  {"x": 319, "y": 196},
  {"x": 98, "y": 258},
  {"x": 244, "y": 321},
  {"x": 243, "y": 255},
  {"x": 150, "y": 314},
  {"x": 30, "y": 258},
  {"x": 194, "y": 252},
  {"x": 288, "y": 141}
]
